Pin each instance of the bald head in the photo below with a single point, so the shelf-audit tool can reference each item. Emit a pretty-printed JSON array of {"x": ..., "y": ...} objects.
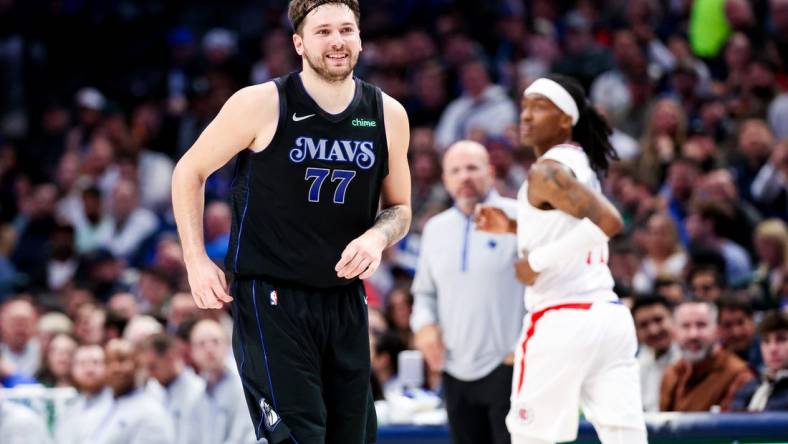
[
  {"x": 209, "y": 346},
  {"x": 18, "y": 321},
  {"x": 467, "y": 174}
]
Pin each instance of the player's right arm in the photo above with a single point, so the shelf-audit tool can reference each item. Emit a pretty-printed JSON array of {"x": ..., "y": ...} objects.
[
  {"x": 247, "y": 120},
  {"x": 553, "y": 185}
]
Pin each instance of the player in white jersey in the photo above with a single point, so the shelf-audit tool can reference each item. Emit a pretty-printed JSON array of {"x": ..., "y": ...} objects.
[{"x": 577, "y": 348}]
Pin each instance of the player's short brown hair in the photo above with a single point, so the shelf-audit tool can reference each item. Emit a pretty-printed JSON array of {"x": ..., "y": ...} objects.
[{"x": 297, "y": 10}]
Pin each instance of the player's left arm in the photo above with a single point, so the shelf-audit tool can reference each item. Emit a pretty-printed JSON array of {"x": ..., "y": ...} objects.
[
  {"x": 362, "y": 256},
  {"x": 552, "y": 184}
]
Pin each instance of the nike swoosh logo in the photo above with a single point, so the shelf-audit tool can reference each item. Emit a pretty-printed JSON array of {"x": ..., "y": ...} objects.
[{"x": 300, "y": 118}]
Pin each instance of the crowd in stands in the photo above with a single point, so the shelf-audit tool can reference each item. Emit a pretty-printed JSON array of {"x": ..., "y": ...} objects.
[{"x": 100, "y": 99}]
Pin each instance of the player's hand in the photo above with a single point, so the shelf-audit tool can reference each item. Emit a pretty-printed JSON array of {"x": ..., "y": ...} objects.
[
  {"x": 429, "y": 342},
  {"x": 523, "y": 270},
  {"x": 362, "y": 255},
  {"x": 208, "y": 284},
  {"x": 491, "y": 219}
]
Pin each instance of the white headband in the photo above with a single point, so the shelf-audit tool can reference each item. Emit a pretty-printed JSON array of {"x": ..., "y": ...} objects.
[{"x": 556, "y": 93}]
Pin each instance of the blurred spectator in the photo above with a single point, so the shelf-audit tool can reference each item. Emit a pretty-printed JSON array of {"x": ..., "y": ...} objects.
[
  {"x": 149, "y": 167},
  {"x": 771, "y": 247},
  {"x": 755, "y": 145},
  {"x": 140, "y": 328},
  {"x": 52, "y": 324},
  {"x": 706, "y": 375},
  {"x": 664, "y": 254},
  {"x": 217, "y": 230},
  {"x": 430, "y": 96},
  {"x": 91, "y": 220},
  {"x": 89, "y": 321},
  {"x": 778, "y": 116},
  {"x": 155, "y": 288},
  {"x": 428, "y": 197},
  {"x": 134, "y": 416},
  {"x": 654, "y": 326},
  {"x": 18, "y": 342},
  {"x": 508, "y": 174},
  {"x": 61, "y": 263},
  {"x": 583, "y": 59},
  {"x": 399, "y": 307},
  {"x": 737, "y": 330},
  {"x": 483, "y": 106},
  {"x": 182, "y": 307},
  {"x": 20, "y": 425},
  {"x": 706, "y": 283},
  {"x": 123, "y": 304},
  {"x": 661, "y": 143},
  {"x": 384, "y": 350},
  {"x": 220, "y": 412},
  {"x": 56, "y": 368},
  {"x": 131, "y": 224},
  {"x": 276, "y": 60},
  {"x": 779, "y": 28},
  {"x": 34, "y": 226},
  {"x": 738, "y": 55},
  {"x": 670, "y": 288},
  {"x": 90, "y": 103},
  {"x": 683, "y": 177},
  {"x": 625, "y": 88},
  {"x": 770, "y": 186},
  {"x": 704, "y": 225},
  {"x": 102, "y": 271},
  {"x": 170, "y": 381},
  {"x": 770, "y": 391},
  {"x": 720, "y": 186},
  {"x": 84, "y": 414}
]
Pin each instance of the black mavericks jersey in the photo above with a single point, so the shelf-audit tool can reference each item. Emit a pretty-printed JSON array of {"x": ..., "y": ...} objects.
[{"x": 299, "y": 202}]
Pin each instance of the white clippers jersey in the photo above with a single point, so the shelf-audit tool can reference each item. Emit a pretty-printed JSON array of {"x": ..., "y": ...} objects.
[{"x": 582, "y": 275}]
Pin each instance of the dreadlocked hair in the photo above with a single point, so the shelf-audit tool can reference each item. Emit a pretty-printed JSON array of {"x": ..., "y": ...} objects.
[{"x": 591, "y": 131}]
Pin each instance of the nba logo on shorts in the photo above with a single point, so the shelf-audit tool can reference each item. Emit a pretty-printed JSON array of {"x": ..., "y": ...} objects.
[
  {"x": 524, "y": 414},
  {"x": 274, "y": 298},
  {"x": 270, "y": 417}
]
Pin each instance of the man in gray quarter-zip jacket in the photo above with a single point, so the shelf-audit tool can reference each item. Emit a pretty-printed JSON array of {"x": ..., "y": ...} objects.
[
  {"x": 219, "y": 415},
  {"x": 170, "y": 381},
  {"x": 468, "y": 305}
]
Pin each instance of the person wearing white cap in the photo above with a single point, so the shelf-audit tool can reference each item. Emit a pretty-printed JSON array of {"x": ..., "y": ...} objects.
[{"x": 577, "y": 348}]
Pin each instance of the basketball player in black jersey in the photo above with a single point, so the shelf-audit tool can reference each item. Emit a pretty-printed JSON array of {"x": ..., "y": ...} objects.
[{"x": 319, "y": 152}]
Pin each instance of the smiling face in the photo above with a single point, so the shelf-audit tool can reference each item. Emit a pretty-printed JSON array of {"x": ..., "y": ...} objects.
[
  {"x": 696, "y": 330},
  {"x": 654, "y": 326},
  {"x": 329, "y": 41}
]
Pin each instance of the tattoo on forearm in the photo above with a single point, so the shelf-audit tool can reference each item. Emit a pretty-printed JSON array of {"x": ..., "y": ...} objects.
[
  {"x": 578, "y": 201},
  {"x": 393, "y": 222}
]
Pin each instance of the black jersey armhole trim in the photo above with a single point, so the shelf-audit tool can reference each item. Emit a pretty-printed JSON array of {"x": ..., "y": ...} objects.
[
  {"x": 281, "y": 122},
  {"x": 379, "y": 95}
]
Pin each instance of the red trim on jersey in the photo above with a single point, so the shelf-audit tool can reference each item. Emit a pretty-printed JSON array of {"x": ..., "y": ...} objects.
[{"x": 535, "y": 316}]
